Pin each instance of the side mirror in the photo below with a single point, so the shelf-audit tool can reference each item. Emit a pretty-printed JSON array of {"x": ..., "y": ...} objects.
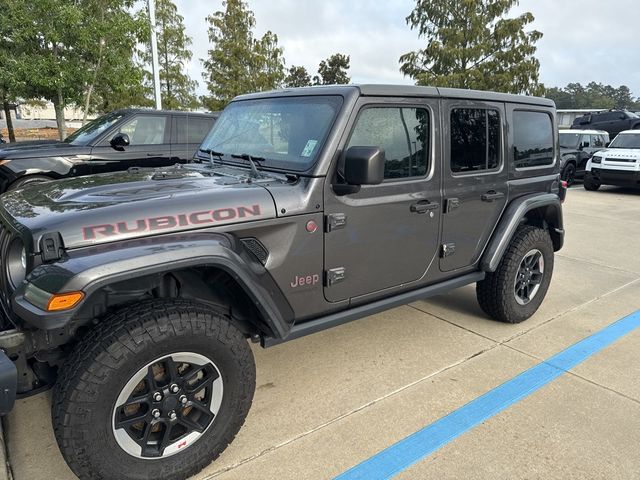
[
  {"x": 606, "y": 144},
  {"x": 120, "y": 141},
  {"x": 622, "y": 116},
  {"x": 362, "y": 166}
]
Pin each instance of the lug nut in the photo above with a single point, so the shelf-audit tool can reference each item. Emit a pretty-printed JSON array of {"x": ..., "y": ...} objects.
[
  {"x": 155, "y": 413},
  {"x": 172, "y": 415},
  {"x": 183, "y": 399},
  {"x": 174, "y": 388},
  {"x": 157, "y": 397}
]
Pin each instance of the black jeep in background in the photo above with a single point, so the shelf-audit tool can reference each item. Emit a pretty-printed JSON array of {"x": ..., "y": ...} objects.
[
  {"x": 113, "y": 142},
  {"x": 612, "y": 121}
]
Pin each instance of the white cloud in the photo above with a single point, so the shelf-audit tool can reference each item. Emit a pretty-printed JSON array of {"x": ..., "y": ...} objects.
[{"x": 584, "y": 40}]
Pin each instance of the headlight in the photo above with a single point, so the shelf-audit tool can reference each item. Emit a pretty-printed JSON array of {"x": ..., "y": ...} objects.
[
  {"x": 16, "y": 262},
  {"x": 596, "y": 159}
]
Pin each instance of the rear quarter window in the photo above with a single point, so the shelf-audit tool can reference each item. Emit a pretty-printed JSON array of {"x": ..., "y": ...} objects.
[{"x": 533, "y": 139}]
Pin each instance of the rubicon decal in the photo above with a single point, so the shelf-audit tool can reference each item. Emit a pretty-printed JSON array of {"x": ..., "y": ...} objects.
[{"x": 167, "y": 222}]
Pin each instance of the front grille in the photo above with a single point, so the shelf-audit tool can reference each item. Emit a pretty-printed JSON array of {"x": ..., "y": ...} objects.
[{"x": 625, "y": 160}]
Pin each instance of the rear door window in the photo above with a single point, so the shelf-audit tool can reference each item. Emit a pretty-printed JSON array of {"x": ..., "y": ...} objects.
[
  {"x": 533, "y": 139},
  {"x": 475, "y": 139}
]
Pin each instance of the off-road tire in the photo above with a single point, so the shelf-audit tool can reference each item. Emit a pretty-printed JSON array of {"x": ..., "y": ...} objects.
[
  {"x": 496, "y": 294},
  {"x": 28, "y": 180},
  {"x": 569, "y": 174},
  {"x": 108, "y": 356},
  {"x": 590, "y": 184}
]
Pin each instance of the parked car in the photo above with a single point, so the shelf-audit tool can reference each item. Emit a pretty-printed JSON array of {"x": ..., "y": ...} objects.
[
  {"x": 617, "y": 165},
  {"x": 612, "y": 121},
  {"x": 312, "y": 207},
  {"x": 113, "y": 142},
  {"x": 576, "y": 148}
]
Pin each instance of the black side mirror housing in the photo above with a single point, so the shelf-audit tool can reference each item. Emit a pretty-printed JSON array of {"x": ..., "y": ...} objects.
[
  {"x": 120, "y": 140},
  {"x": 364, "y": 166}
]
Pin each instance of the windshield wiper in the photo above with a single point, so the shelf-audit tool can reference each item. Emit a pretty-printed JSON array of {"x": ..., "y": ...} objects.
[
  {"x": 252, "y": 160},
  {"x": 211, "y": 154}
]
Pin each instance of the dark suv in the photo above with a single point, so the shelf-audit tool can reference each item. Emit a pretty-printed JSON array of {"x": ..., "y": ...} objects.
[
  {"x": 136, "y": 293},
  {"x": 116, "y": 141},
  {"x": 612, "y": 121}
]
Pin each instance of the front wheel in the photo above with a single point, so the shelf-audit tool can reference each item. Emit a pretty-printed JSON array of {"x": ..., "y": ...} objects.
[
  {"x": 155, "y": 391},
  {"x": 29, "y": 180},
  {"x": 591, "y": 184},
  {"x": 516, "y": 289}
]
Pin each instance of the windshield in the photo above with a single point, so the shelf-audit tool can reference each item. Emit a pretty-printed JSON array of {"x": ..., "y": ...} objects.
[
  {"x": 569, "y": 140},
  {"x": 632, "y": 115},
  {"x": 93, "y": 129},
  {"x": 285, "y": 132},
  {"x": 626, "y": 141}
]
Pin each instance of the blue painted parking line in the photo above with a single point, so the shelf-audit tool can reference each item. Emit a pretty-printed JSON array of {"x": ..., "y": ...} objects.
[{"x": 400, "y": 456}]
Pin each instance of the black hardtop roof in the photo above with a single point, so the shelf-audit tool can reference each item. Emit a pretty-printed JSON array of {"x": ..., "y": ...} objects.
[
  {"x": 161, "y": 112},
  {"x": 381, "y": 90}
]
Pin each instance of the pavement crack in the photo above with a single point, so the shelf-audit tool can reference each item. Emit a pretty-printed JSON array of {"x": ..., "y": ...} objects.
[
  {"x": 349, "y": 413},
  {"x": 595, "y": 264}
]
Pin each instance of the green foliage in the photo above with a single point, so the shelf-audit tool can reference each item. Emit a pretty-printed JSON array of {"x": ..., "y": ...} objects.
[
  {"x": 65, "y": 50},
  {"x": 594, "y": 95},
  {"x": 471, "y": 44},
  {"x": 178, "y": 89},
  {"x": 238, "y": 63},
  {"x": 297, "y": 77},
  {"x": 333, "y": 70}
]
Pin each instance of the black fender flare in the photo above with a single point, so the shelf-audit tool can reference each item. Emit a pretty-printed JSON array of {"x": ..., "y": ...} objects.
[
  {"x": 550, "y": 209},
  {"x": 92, "y": 268}
]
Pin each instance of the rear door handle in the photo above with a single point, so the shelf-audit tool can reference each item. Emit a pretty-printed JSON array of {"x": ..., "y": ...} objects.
[
  {"x": 491, "y": 195},
  {"x": 424, "y": 207}
]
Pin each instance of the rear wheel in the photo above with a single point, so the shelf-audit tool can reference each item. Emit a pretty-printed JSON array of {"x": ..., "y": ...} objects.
[
  {"x": 516, "y": 289},
  {"x": 156, "y": 391},
  {"x": 569, "y": 174}
]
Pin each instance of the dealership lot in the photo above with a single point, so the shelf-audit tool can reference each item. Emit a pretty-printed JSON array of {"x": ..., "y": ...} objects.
[{"x": 327, "y": 402}]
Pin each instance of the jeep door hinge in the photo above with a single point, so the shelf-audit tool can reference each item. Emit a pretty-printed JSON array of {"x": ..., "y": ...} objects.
[
  {"x": 447, "y": 249},
  {"x": 451, "y": 204},
  {"x": 336, "y": 221},
  {"x": 335, "y": 275}
]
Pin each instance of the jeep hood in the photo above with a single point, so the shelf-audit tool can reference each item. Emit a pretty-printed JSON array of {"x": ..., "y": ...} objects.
[{"x": 112, "y": 207}]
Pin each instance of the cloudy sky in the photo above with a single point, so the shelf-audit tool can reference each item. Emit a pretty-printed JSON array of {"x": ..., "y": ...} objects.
[{"x": 584, "y": 40}]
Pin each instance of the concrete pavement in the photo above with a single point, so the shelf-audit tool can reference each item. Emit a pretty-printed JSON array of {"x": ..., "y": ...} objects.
[{"x": 329, "y": 401}]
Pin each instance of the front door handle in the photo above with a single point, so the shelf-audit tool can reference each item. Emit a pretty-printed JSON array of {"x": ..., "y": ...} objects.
[
  {"x": 424, "y": 207},
  {"x": 491, "y": 195}
]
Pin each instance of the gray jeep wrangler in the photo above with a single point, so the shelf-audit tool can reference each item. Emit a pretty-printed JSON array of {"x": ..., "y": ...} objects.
[{"x": 134, "y": 294}]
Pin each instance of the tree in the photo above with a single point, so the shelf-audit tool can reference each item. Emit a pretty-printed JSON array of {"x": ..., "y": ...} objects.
[
  {"x": 111, "y": 59},
  {"x": 177, "y": 88},
  {"x": 238, "y": 63},
  {"x": 64, "y": 49},
  {"x": 471, "y": 44},
  {"x": 333, "y": 70},
  {"x": 9, "y": 81},
  {"x": 297, "y": 77},
  {"x": 593, "y": 96}
]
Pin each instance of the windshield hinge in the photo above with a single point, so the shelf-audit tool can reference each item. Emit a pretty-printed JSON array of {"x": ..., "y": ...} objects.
[{"x": 51, "y": 246}]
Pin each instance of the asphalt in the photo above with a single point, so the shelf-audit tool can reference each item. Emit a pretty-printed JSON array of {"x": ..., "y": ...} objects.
[{"x": 329, "y": 401}]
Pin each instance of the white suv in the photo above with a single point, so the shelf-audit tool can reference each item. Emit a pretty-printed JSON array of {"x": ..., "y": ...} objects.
[{"x": 617, "y": 165}]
